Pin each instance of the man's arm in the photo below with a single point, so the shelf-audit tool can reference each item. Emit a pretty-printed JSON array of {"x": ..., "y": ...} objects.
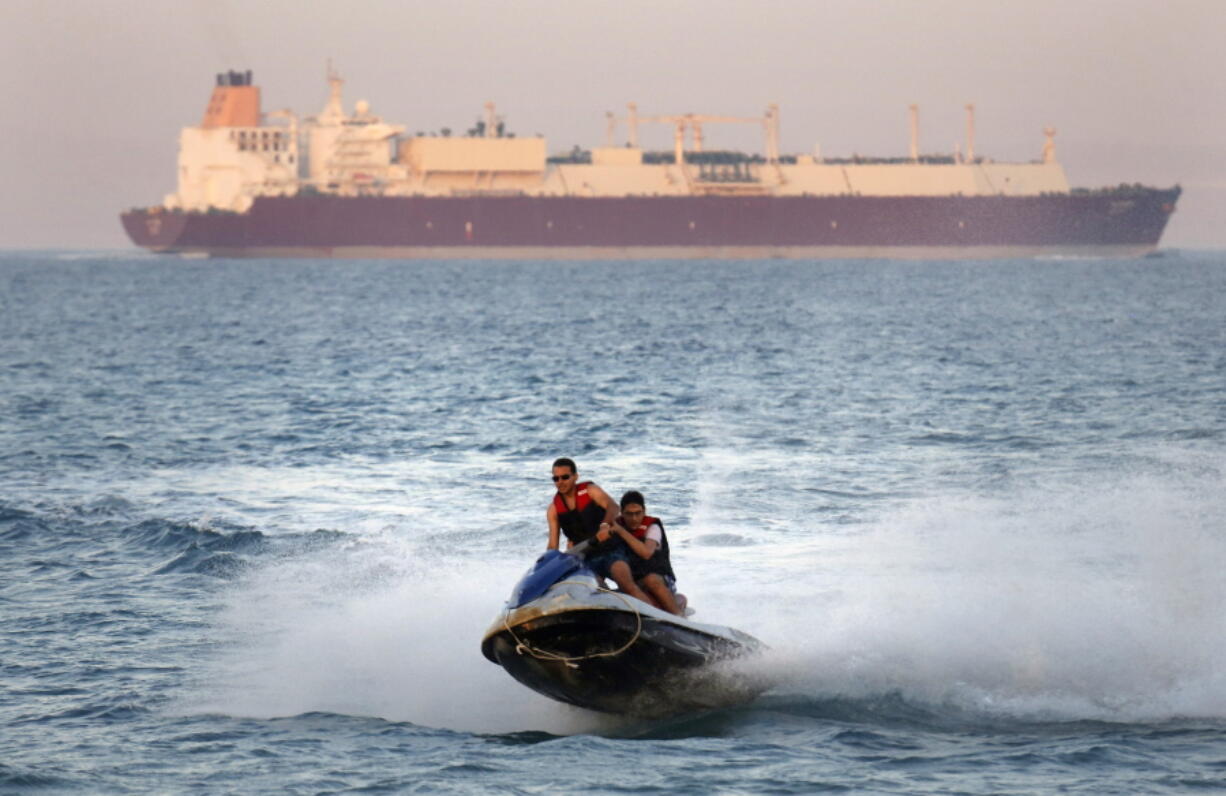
[
  {"x": 603, "y": 500},
  {"x": 551, "y": 517},
  {"x": 610, "y": 511},
  {"x": 643, "y": 548}
]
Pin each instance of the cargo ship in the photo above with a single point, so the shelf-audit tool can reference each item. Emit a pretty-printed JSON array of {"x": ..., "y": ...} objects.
[{"x": 349, "y": 184}]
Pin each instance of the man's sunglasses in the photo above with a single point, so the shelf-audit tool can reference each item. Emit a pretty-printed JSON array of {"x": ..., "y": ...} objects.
[{"x": 566, "y": 477}]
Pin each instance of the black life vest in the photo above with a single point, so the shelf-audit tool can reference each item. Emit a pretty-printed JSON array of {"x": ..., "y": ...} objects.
[
  {"x": 583, "y": 521},
  {"x": 659, "y": 563}
]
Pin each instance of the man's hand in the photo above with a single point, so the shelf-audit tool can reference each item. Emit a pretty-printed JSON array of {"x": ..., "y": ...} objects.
[{"x": 604, "y": 533}]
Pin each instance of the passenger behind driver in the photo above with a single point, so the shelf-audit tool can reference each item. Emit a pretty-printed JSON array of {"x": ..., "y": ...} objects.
[{"x": 648, "y": 547}]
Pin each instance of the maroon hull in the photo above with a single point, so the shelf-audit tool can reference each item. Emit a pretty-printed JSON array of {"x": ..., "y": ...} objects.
[{"x": 1117, "y": 221}]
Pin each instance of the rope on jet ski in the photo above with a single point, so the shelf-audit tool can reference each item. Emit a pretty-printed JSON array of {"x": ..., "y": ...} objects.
[{"x": 521, "y": 647}]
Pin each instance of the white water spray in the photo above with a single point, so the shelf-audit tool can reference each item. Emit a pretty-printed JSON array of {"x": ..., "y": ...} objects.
[
  {"x": 1066, "y": 602},
  {"x": 1099, "y": 599}
]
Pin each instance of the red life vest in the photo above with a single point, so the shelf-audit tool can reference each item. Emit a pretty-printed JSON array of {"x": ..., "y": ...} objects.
[
  {"x": 660, "y": 562},
  {"x": 583, "y": 521},
  {"x": 641, "y": 531}
]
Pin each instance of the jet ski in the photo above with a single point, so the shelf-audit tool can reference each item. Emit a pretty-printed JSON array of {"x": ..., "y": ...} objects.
[{"x": 567, "y": 637}]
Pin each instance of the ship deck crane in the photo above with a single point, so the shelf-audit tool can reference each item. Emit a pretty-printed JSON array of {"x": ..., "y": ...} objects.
[{"x": 694, "y": 122}]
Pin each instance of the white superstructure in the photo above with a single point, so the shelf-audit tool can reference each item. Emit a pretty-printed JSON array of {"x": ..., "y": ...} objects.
[
  {"x": 238, "y": 153},
  {"x": 233, "y": 156}
]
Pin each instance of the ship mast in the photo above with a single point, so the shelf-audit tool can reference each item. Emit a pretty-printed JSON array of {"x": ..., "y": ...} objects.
[
  {"x": 491, "y": 121},
  {"x": 970, "y": 132},
  {"x": 913, "y": 112},
  {"x": 334, "y": 111},
  {"x": 1049, "y": 145}
]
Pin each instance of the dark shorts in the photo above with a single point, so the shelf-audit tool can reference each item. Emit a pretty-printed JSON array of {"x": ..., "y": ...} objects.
[
  {"x": 642, "y": 567},
  {"x": 604, "y": 560}
]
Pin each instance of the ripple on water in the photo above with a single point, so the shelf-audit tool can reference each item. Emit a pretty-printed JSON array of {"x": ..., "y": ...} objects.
[{"x": 973, "y": 544}]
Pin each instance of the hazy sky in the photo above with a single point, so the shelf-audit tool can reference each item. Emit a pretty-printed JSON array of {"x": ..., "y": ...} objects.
[{"x": 95, "y": 91}]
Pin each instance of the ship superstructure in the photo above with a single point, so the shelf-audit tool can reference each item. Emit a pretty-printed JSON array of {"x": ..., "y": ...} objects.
[
  {"x": 338, "y": 183},
  {"x": 234, "y": 154}
]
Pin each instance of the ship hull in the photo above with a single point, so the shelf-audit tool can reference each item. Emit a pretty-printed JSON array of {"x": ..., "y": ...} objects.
[{"x": 1103, "y": 223}]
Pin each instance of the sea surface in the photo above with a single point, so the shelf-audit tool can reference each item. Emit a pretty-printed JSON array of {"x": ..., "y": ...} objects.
[{"x": 255, "y": 517}]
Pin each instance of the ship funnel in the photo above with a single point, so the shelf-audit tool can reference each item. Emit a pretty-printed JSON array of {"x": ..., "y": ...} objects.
[
  {"x": 233, "y": 78},
  {"x": 235, "y": 102}
]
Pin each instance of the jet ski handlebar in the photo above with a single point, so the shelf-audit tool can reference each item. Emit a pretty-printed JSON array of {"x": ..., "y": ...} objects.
[{"x": 551, "y": 567}]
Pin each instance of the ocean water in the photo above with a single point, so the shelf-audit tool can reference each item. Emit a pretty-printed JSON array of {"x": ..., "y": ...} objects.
[{"x": 255, "y": 517}]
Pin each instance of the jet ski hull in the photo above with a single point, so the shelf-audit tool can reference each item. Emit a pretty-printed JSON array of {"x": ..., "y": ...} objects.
[{"x": 605, "y": 651}]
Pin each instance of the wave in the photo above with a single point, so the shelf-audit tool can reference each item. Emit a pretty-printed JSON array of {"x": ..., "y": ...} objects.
[
  {"x": 197, "y": 561},
  {"x": 55, "y": 538},
  {"x": 17, "y": 525},
  {"x": 116, "y": 255},
  {"x": 892, "y": 725},
  {"x": 169, "y": 535},
  {"x": 22, "y": 778},
  {"x": 204, "y": 551}
]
